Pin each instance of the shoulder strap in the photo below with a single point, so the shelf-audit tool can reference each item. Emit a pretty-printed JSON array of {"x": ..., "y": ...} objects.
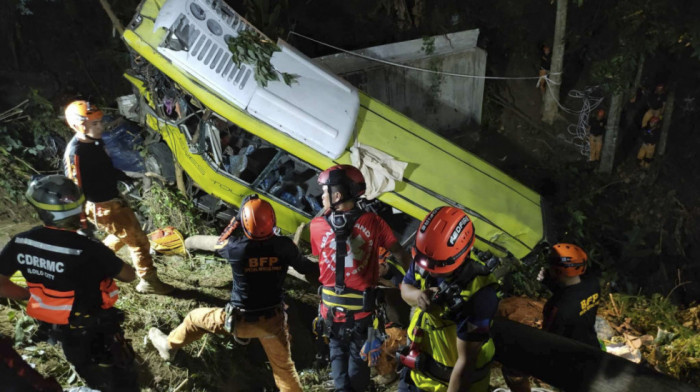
[{"x": 342, "y": 224}]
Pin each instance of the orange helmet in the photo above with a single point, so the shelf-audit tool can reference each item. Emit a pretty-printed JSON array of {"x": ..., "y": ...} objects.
[
  {"x": 443, "y": 240},
  {"x": 79, "y": 112},
  {"x": 567, "y": 260},
  {"x": 257, "y": 218},
  {"x": 600, "y": 113}
]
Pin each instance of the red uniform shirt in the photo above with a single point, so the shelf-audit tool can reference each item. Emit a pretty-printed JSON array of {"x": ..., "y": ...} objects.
[{"x": 361, "y": 263}]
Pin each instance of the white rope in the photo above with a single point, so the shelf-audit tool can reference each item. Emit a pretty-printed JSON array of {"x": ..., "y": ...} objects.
[
  {"x": 418, "y": 68},
  {"x": 579, "y": 130}
]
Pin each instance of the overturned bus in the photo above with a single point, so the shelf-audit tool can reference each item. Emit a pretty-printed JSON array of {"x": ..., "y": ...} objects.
[{"x": 234, "y": 136}]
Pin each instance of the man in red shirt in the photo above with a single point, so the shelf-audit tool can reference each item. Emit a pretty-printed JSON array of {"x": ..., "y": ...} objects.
[{"x": 348, "y": 301}]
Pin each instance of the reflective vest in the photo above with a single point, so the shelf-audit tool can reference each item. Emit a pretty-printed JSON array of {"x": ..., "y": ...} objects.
[
  {"x": 439, "y": 338},
  {"x": 51, "y": 306}
]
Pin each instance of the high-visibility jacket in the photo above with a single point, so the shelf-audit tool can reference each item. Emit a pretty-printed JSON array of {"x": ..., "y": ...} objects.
[
  {"x": 66, "y": 273},
  {"x": 438, "y": 342}
]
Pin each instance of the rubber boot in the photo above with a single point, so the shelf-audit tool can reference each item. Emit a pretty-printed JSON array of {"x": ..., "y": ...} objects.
[
  {"x": 151, "y": 284},
  {"x": 160, "y": 342}
]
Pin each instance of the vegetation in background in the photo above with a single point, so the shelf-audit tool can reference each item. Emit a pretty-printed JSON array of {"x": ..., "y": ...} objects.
[
  {"x": 166, "y": 206},
  {"x": 31, "y": 140},
  {"x": 436, "y": 78},
  {"x": 676, "y": 348},
  {"x": 267, "y": 16}
]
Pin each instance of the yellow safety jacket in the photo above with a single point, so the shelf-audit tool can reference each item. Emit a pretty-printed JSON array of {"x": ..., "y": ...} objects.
[{"x": 438, "y": 342}]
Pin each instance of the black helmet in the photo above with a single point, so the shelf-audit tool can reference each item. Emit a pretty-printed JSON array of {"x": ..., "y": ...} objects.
[{"x": 56, "y": 198}]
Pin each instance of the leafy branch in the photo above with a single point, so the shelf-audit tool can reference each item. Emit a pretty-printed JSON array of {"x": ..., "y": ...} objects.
[{"x": 251, "y": 48}]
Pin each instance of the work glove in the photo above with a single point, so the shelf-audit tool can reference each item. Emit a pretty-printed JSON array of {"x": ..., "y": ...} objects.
[{"x": 371, "y": 350}]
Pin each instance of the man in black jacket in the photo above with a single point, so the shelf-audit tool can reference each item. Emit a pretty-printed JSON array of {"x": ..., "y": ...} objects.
[
  {"x": 259, "y": 261},
  {"x": 571, "y": 312},
  {"x": 71, "y": 289},
  {"x": 650, "y": 136},
  {"x": 88, "y": 165}
]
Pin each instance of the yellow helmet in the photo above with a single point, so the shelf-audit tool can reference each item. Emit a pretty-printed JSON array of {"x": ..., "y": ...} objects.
[
  {"x": 167, "y": 241},
  {"x": 79, "y": 112}
]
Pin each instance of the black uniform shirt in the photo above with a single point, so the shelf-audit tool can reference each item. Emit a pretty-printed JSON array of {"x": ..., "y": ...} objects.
[
  {"x": 656, "y": 101},
  {"x": 597, "y": 126},
  {"x": 571, "y": 311},
  {"x": 62, "y": 260},
  {"x": 89, "y": 165},
  {"x": 259, "y": 269}
]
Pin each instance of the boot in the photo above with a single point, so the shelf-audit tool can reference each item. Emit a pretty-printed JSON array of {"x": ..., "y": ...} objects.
[
  {"x": 160, "y": 342},
  {"x": 151, "y": 284}
]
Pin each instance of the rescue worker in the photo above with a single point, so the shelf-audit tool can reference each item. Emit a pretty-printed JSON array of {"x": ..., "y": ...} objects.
[
  {"x": 348, "y": 312},
  {"x": 259, "y": 261},
  {"x": 656, "y": 103},
  {"x": 596, "y": 130},
  {"x": 71, "y": 288},
  {"x": 650, "y": 136},
  {"x": 571, "y": 311},
  {"x": 88, "y": 165},
  {"x": 456, "y": 297}
]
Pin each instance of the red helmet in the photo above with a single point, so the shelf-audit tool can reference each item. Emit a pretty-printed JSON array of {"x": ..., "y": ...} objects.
[
  {"x": 348, "y": 176},
  {"x": 654, "y": 120},
  {"x": 443, "y": 240},
  {"x": 600, "y": 113},
  {"x": 79, "y": 112},
  {"x": 257, "y": 218},
  {"x": 567, "y": 260}
]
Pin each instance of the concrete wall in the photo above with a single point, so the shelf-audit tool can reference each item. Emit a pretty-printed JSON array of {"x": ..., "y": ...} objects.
[{"x": 445, "y": 104}]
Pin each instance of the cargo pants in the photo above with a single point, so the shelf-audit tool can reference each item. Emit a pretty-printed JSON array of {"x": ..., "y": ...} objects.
[
  {"x": 119, "y": 221},
  {"x": 271, "y": 331}
]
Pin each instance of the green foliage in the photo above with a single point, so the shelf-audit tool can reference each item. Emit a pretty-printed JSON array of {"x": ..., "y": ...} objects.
[
  {"x": 267, "y": 15},
  {"x": 251, "y": 48},
  {"x": 646, "y": 314},
  {"x": 165, "y": 206},
  {"x": 27, "y": 145},
  {"x": 676, "y": 350},
  {"x": 436, "y": 79}
]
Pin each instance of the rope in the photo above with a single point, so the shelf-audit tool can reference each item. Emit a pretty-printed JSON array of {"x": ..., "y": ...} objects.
[
  {"x": 579, "y": 130},
  {"x": 398, "y": 65},
  {"x": 536, "y": 389}
]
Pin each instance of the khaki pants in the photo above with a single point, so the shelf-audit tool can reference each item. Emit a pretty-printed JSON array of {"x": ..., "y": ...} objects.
[
  {"x": 646, "y": 154},
  {"x": 649, "y": 114},
  {"x": 541, "y": 83},
  {"x": 119, "y": 221},
  {"x": 596, "y": 146},
  {"x": 272, "y": 333}
]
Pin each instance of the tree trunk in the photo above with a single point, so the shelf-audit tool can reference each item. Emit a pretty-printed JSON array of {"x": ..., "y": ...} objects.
[
  {"x": 668, "y": 111},
  {"x": 637, "y": 77},
  {"x": 552, "y": 95},
  {"x": 612, "y": 129}
]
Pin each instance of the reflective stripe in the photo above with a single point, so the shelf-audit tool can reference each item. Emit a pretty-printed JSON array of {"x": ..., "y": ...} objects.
[
  {"x": 78, "y": 204},
  {"x": 49, "y": 247},
  {"x": 350, "y": 301},
  {"x": 437, "y": 343},
  {"x": 43, "y": 305},
  {"x": 110, "y": 293},
  {"x": 51, "y": 306}
]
